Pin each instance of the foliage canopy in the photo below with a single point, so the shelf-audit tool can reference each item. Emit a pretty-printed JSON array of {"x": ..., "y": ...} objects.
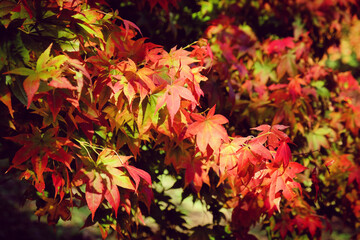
[{"x": 94, "y": 113}]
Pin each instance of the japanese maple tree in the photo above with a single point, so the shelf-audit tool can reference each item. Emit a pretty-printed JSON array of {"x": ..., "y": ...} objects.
[{"x": 98, "y": 113}]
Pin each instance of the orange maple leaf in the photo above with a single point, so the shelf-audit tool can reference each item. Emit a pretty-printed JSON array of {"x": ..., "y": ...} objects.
[
  {"x": 173, "y": 95},
  {"x": 208, "y": 130}
]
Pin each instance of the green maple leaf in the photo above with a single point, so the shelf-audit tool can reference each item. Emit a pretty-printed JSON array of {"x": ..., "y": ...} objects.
[
  {"x": 46, "y": 68},
  {"x": 103, "y": 177},
  {"x": 287, "y": 64},
  {"x": 265, "y": 71}
]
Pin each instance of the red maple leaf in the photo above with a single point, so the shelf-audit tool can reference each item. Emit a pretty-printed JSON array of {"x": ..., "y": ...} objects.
[
  {"x": 279, "y": 45},
  {"x": 284, "y": 227},
  {"x": 272, "y": 134},
  {"x": 295, "y": 89},
  {"x": 354, "y": 175},
  {"x": 229, "y": 156},
  {"x": 196, "y": 173},
  {"x": 283, "y": 154},
  {"x": 172, "y": 97},
  {"x": 108, "y": 176},
  {"x": 311, "y": 222},
  {"x": 94, "y": 193},
  {"x": 208, "y": 130},
  {"x": 235, "y": 157},
  {"x": 58, "y": 182},
  {"x": 282, "y": 180},
  {"x": 39, "y": 147},
  {"x": 47, "y": 68}
]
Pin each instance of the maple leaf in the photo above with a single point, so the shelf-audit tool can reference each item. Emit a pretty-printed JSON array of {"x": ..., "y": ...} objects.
[
  {"x": 280, "y": 45},
  {"x": 258, "y": 150},
  {"x": 58, "y": 182},
  {"x": 351, "y": 116},
  {"x": 46, "y": 68},
  {"x": 283, "y": 154},
  {"x": 55, "y": 102},
  {"x": 120, "y": 178},
  {"x": 265, "y": 71},
  {"x": 208, "y": 130},
  {"x": 148, "y": 116},
  {"x": 311, "y": 222},
  {"x": 155, "y": 54},
  {"x": 109, "y": 177},
  {"x": 90, "y": 31},
  {"x": 172, "y": 97},
  {"x": 247, "y": 212},
  {"x": 31, "y": 83},
  {"x": 202, "y": 52},
  {"x": 235, "y": 157},
  {"x": 55, "y": 210},
  {"x": 112, "y": 195},
  {"x": 39, "y": 164},
  {"x": 287, "y": 64},
  {"x": 283, "y": 180},
  {"x": 103, "y": 177},
  {"x": 272, "y": 134},
  {"x": 127, "y": 25},
  {"x": 284, "y": 227},
  {"x": 318, "y": 138},
  {"x": 176, "y": 64},
  {"x": 94, "y": 193},
  {"x": 177, "y": 58},
  {"x": 196, "y": 173},
  {"x": 133, "y": 73},
  {"x": 295, "y": 89},
  {"x": 137, "y": 174},
  {"x": 178, "y": 155},
  {"x": 229, "y": 155},
  {"x": 39, "y": 147},
  {"x": 5, "y": 97},
  {"x": 113, "y": 176},
  {"x": 354, "y": 175},
  {"x": 95, "y": 187}
]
